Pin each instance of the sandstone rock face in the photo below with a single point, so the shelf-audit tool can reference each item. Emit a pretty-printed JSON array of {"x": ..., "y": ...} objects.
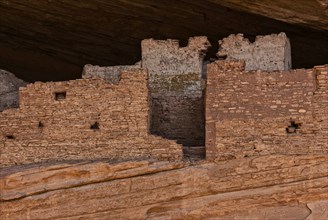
[
  {"x": 9, "y": 85},
  {"x": 305, "y": 12},
  {"x": 176, "y": 83},
  {"x": 269, "y": 187},
  {"x": 268, "y": 53}
]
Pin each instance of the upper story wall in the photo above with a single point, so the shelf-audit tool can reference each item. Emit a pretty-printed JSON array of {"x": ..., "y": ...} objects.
[
  {"x": 174, "y": 69},
  {"x": 257, "y": 94},
  {"x": 119, "y": 108},
  {"x": 268, "y": 53},
  {"x": 82, "y": 119},
  {"x": 256, "y": 113},
  {"x": 9, "y": 85},
  {"x": 176, "y": 86}
]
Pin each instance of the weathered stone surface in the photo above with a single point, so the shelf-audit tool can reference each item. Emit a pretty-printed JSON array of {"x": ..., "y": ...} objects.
[
  {"x": 261, "y": 113},
  {"x": 109, "y": 73},
  {"x": 9, "y": 85},
  {"x": 268, "y": 187},
  {"x": 312, "y": 13},
  {"x": 176, "y": 86},
  {"x": 319, "y": 210},
  {"x": 194, "y": 152},
  {"x": 268, "y": 53},
  {"x": 83, "y": 119}
]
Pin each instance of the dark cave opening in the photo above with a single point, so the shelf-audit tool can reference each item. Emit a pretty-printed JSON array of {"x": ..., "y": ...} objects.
[{"x": 36, "y": 47}]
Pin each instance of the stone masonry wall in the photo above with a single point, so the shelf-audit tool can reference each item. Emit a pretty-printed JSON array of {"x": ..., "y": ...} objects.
[
  {"x": 320, "y": 106},
  {"x": 268, "y": 53},
  {"x": 82, "y": 119},
  {"x": 111, "y": 74},
  {"x": 252, "y": 113},
  {"x": 176, "y": 87}
]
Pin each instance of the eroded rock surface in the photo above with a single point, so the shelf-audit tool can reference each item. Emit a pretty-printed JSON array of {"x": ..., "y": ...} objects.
[
  {"x": 268, "y": 53},
  {"x": 312, "y": 13},
  {"x": 267, "y": 187},
  {"x": 9, "y": 85}
]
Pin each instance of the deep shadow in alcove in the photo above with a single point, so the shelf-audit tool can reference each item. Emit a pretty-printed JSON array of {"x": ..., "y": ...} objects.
[{"x": 48, "y": 49}]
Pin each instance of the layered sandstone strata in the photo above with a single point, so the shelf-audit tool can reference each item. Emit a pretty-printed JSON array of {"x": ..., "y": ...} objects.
[
  {"x": 269, "y": 128},
  {"x": 269, "y": 187}
]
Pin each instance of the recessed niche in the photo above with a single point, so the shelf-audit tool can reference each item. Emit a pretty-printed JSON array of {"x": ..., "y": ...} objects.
[
  {"x": 60, "y": 96},
  {"x": 11, "y": 137},
  {"x": 40, "y": 125},
  {"x": 95, "y": 126},
  {"x": 293, "y": 127}
]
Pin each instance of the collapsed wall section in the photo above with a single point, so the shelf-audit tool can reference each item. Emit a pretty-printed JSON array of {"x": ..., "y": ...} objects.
[
  {"x": 9, "y": 85},
  {"x": 111, "y": 74},
  {"x": 176, "y": 87},
  {"x": 268, "y": 53},
  {"x": 260, "y": 113},
  {"x": 82, "y": 119}
]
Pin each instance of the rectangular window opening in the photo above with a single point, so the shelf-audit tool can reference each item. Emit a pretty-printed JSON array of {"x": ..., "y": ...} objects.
[{"x": 60, "y": 96}]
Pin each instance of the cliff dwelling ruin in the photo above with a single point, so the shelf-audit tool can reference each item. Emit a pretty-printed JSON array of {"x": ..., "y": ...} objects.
[
  {"x": 248, "y": 105},
  {"x": 226, "y": 126}
]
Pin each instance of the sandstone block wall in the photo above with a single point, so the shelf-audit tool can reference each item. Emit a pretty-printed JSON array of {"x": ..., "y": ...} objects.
[
  {"x": 320, "y": 106},
  {"x": 82, "y": 119},
  {"x": 176, "y": 87},
  {"x": 252, "y": 113},
  {"x": 268, "y": 53}
]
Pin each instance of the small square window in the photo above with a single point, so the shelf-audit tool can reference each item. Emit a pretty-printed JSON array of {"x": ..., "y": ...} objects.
[
  {"x": 40, "y": 125},
  {"x": 95, "y": 126},
  {"x": 60, "y": 96},
  {"x": 293, "y": 127}
]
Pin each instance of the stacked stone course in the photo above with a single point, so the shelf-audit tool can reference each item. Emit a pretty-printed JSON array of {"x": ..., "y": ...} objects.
[
  {"x": 320, "y": 107},
  {"x": 269, "y": 52},
  {"x": 250, "y": 113},
  {"x": 110, "y": 112},
  {"x": 176, "y": 87},
  {"x": 96, "y": 119}
]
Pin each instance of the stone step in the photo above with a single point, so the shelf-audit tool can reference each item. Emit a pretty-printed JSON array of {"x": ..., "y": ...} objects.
[{"x": 194, "y": 152}]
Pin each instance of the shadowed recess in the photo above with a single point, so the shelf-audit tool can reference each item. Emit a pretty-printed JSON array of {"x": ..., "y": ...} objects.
[{"x": 52, "y": 40}]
